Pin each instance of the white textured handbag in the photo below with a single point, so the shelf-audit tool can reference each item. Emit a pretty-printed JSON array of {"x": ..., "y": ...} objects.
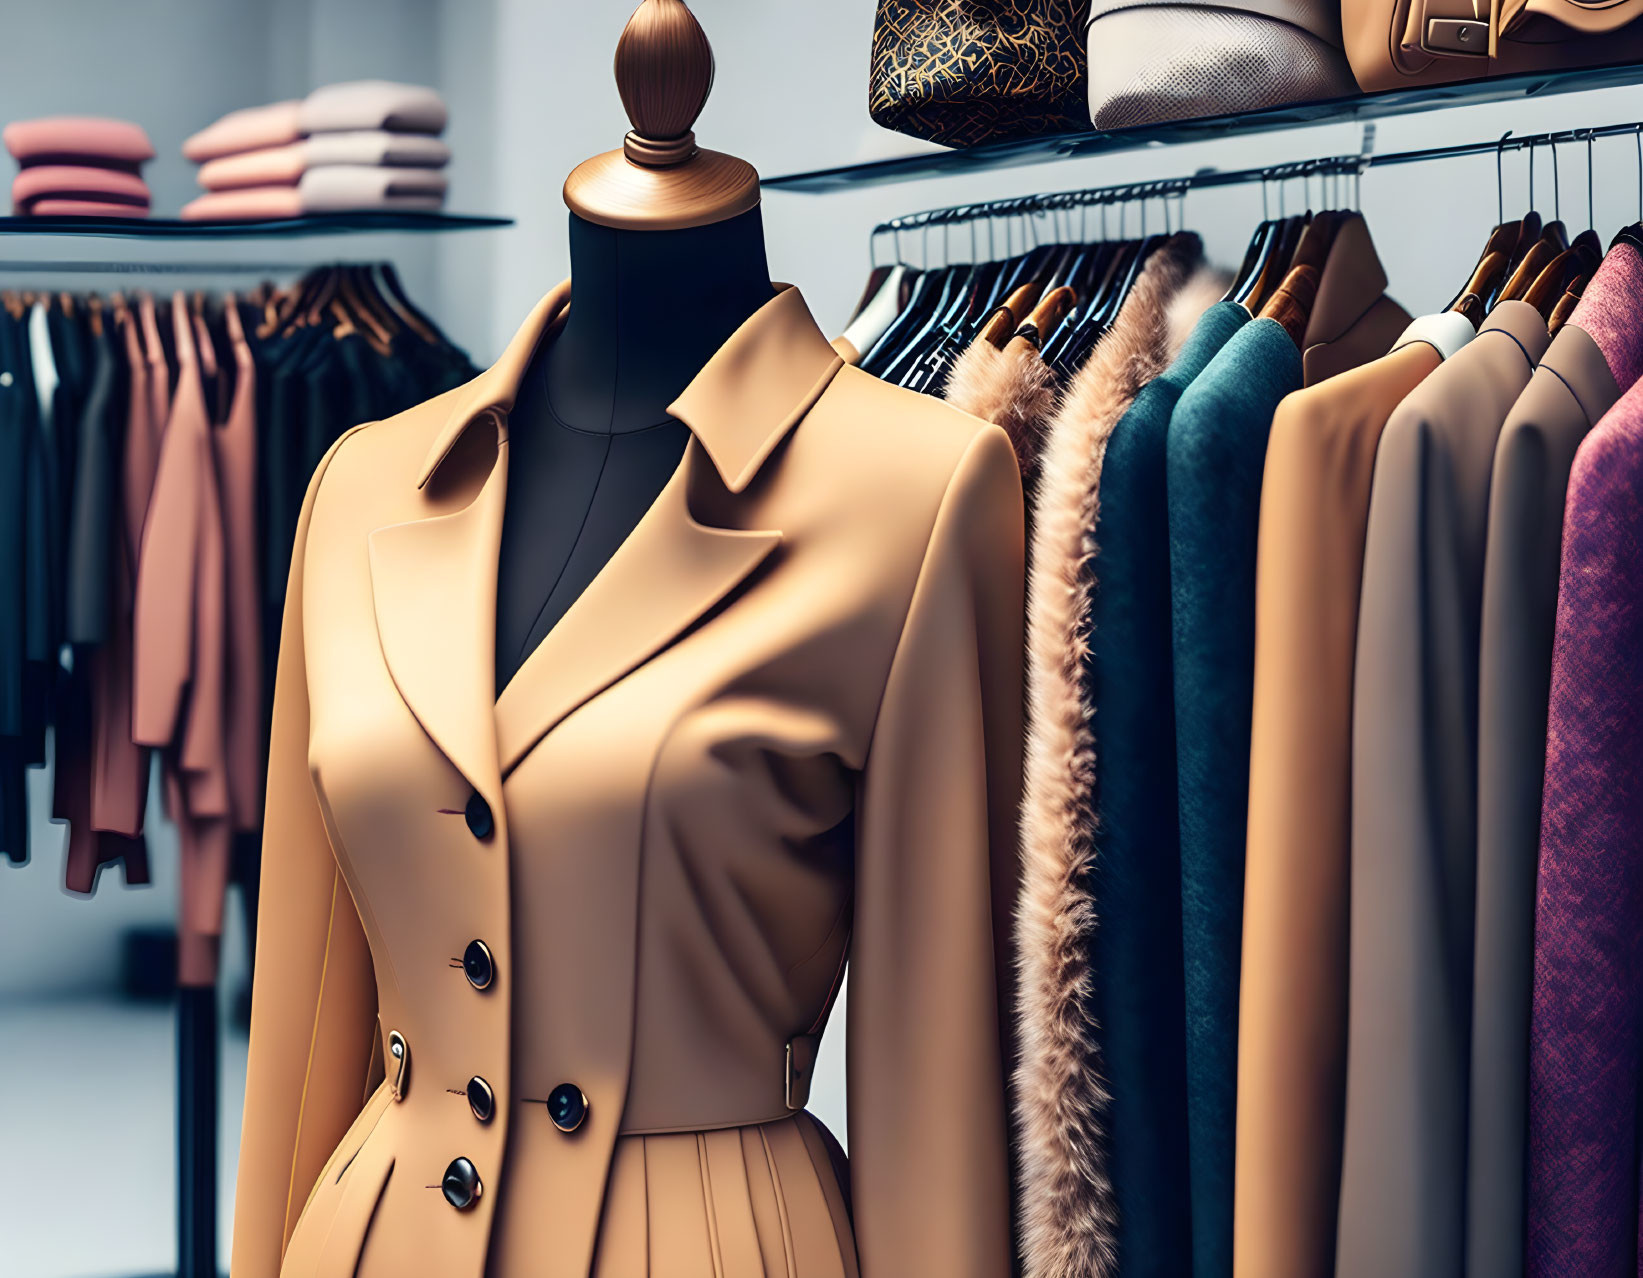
[{"x": 1155, "y": 60}]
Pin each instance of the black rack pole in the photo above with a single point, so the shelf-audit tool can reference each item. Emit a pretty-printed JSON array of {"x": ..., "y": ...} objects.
[{"x": 198, "y": 1057}]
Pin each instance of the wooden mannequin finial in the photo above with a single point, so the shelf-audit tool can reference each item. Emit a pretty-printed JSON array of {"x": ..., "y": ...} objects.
[{"x": 660, "y": 179}]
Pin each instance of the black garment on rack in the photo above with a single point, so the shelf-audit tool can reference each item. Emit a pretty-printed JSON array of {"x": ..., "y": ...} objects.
[
  {"x": 40, "y": 561},
  {"x": 93, "y": 501},
  {"x": 14, "y": 437}
]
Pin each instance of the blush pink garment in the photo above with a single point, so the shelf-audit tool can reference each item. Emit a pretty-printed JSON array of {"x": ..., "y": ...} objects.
[
  {"x": 285, "y": 165},
  {"x": 266, "y": 166},
  {"x": 245, "y": 130},
  {"x": 180, "y": 626},
  {"x": 336, "y": 189},
  {"x": 81, "y": 137},
  {"x": 251, "y": 204},
  {"x": 119, "y": 776},
  {"x": 77, "y": 182},
  {"x": 236, "y": 451},
  {"x": 85, "y": 208}
]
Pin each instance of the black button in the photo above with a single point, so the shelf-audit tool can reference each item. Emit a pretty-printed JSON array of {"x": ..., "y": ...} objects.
[
  {"x": 476, "y": 962},
  {"x": 461, "y": 1184},
  {"x": 478, "y": 814},
  {"x": 567, "y": 1107},
  {"x": 481, "y": 1099}
]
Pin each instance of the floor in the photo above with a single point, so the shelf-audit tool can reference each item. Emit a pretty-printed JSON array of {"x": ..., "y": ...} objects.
[{"x": 88, "y": 1139}]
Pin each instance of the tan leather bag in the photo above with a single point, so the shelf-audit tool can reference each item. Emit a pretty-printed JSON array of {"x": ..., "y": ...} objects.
[{"x": 1395, "y": 44}]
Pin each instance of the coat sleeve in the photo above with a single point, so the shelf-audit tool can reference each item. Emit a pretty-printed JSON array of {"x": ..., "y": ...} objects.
[
  {"x": 314, "y": 1004},
  {"x": 936, "y": 874}
]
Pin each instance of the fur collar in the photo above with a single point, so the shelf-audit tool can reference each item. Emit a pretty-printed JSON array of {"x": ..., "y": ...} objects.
[
  {"x": 1012, "y": 388},
  {"x": 1068, "y": 1215}
]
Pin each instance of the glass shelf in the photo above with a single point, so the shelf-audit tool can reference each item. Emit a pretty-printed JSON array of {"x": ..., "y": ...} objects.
[
  {"x": 164, "y": 228},
  {"x": 1368, "y": 106}
]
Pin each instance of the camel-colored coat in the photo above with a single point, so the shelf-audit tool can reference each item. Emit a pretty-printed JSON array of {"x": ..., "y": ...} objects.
[{"x": 780, "y": 729}]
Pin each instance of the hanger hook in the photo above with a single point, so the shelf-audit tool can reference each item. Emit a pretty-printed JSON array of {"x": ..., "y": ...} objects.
[
  {"x": 1557, "y": 184},
  {"x": 1591, "y": 208},
  {"x": 1500, "y": 183}
]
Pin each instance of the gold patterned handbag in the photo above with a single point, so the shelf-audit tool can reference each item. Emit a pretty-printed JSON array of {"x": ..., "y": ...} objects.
[{"x": 961, "y": 72}]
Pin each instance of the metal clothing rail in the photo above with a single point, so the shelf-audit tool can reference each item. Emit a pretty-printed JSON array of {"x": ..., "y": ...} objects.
[
  {"x": 1353, "y": 166},
  {"x": 45, "y": 266}
]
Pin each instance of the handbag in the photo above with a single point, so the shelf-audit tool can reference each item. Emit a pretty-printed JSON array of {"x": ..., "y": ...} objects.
[
  {"x": 961, "y": 72},
  {"x": 1395, "y": 44},
  {"x": 1157, "y": 60}
]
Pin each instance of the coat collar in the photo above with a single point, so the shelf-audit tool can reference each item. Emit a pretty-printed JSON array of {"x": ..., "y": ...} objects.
[
  {"x": 1353, "y": 280},
  {"x": 434, "y": 577},
  {"x": 739, "y": 407}
]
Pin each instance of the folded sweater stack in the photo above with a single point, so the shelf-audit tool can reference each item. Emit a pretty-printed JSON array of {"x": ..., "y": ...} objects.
[
  {"x": 79, "y": 166},
  {"x": 365, "y": 145}
]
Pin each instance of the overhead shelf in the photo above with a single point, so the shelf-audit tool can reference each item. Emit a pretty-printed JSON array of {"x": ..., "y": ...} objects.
[
  {"x": 164, "y": 228},
  {"x": 1363, "y": 107}
]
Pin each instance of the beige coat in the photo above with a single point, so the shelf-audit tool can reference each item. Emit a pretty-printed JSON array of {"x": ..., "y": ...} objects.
[
  {"x": 782, "y": 727},
  {"x": 1414, "y": 809},
  {"x": 1292, "y": 999}
]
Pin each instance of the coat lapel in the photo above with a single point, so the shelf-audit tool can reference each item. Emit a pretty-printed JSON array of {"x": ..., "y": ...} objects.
[
  {"x": 434, "y": 578},
  {"x": 433, "y": 583},
  {"x": 668, "y": 573}
]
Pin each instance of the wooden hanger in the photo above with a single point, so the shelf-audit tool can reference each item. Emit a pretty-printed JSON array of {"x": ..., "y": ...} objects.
[
  {"x": 1269, "y": 279},
  {"x": 1554, "y": 280},
  {"x": 1554, "y": 240},
  {"x": 1566, "y": 304},
  {"x": 1317, "y": 239},
  {"x": 1291, "y": 304},
  {"x": 1493, "y": 267},
  {"x": 1046, "y": 317},
  {"x": 660, "y": 180}
]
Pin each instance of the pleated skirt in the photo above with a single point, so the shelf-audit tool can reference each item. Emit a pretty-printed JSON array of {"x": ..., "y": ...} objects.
[{"x": 750, "y": 1202}]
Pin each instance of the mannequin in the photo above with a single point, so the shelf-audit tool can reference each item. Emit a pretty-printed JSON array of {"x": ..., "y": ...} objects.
[{"x": 590, "y": 444}]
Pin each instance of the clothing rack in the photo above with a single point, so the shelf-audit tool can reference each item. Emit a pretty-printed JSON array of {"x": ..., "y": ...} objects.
[
  {"x": 1353, "y": 166},
  {"x": 71, "y": 266},
  {"x": 197, "y": 1017}
]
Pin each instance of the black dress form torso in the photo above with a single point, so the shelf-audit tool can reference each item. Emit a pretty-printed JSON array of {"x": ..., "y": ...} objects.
[{"x": 590, "y": 444}]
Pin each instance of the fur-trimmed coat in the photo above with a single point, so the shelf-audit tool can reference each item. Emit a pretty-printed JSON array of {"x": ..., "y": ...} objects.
[
  {"x": 1011, "y": 387},
  {"x": 1069, "y": 1220}
]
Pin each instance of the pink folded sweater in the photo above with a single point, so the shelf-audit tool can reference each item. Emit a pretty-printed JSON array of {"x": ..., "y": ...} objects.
[
  {"x": 77, "y": 182},
  {"x": 339, "y": 188},
  {"x": 85, "y": 208},
  {"x": 59, "y": 138},
  {"x": 246, "y": 130},
  {"x": 285, "y": 165}
]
